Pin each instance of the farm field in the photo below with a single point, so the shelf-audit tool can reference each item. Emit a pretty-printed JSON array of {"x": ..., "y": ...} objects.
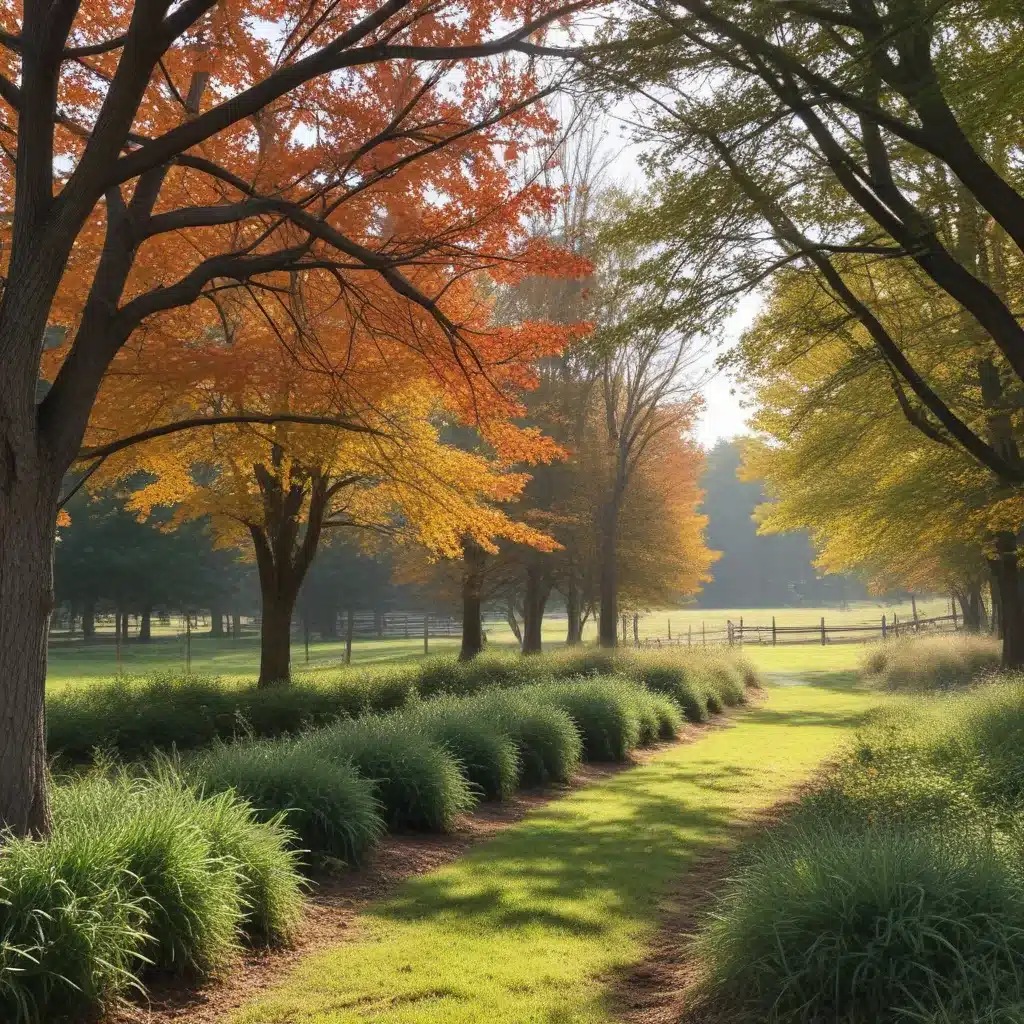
[
  {"x": 74, "y": 662},
  {"x": 535, "y": 924}
]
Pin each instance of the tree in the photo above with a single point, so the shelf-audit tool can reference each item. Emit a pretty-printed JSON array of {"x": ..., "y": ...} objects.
[{"x": 162, "y": 152}]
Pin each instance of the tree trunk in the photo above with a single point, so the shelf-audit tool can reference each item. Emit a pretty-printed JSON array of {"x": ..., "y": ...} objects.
[
  {"x": 636, "y": 629},
  {"x": 26, "y": 600},
  {"x": 537, "y": 592},
  {"x": 473, "y": 559},
  {"x": 217, "y": 621},
  {"x": 378, "y": 623},
  {"x": 236, "y": 625},
  {"x": 513, "y": 622},
  {"x": 574, "y": 629},
  {"x": 608, "y": 619},
  {"x": 1011, "y": 607},
  {"x": 88, "y": 620},
  {"x": 146, "y": 626},
  {"x": 276, "y": 639}
]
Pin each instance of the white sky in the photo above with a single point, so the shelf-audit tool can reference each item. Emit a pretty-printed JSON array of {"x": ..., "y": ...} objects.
[{"x": 724, "y": 417}]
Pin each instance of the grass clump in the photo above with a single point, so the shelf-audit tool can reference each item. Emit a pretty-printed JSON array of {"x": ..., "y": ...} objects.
[
  {"x": 419, "y": 784},
  {"x": 330, "y": 807},
  {"x": 606, "y": 713},
  {"x": 138, "y": 873},
  {"x": 548, "y": 744},
  {"x": 133, "y": 717},
  {"x": 872, "y": 925},
  {"x": 931, "y": 662},
  {"x": 483, "y": 747},
  {"x": 443, "y": 674}
]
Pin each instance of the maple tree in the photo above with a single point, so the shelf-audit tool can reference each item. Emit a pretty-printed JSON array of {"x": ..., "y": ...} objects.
[{"x": 158, "y": 154}]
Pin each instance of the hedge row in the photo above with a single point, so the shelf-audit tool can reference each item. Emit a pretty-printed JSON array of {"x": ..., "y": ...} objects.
[
  {"x": 133, "y": 717},
  {"x": 897, "y": 893},
  {"x": 341, "y": 787},
  {"x": 140, "y": 874}
]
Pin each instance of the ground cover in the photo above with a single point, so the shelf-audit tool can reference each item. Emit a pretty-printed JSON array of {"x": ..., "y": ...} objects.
[{"x": 533, "y": 925}]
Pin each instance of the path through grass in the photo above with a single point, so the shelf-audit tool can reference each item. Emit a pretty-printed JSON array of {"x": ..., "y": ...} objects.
[{"x": 533, "y": 925}]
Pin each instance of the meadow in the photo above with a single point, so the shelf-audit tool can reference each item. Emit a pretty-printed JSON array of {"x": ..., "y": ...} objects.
[{"x": 74, "y": 662}]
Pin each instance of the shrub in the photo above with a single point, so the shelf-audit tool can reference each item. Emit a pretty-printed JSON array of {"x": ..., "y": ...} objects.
[
  {"x": 133, "y": 717},
  {"x": 418, "y": 783},
  {"x": 583, "y": 661},
  {"x": 931, "y": 662},
  {"x": 604, "y": 711},
  {"x": 484, "y": 749},
  {"x": 872, "y": 925},
  {"x": 331, "y": 808},
  {"x": 548, "y": 743},
  {"x": 446, "y": 675},
  {"x": 676, "y": 680},
  {"x": 71, "y": 932},
  {"x": 137, "y": 872},
  {"x": 669, "y": 716}
]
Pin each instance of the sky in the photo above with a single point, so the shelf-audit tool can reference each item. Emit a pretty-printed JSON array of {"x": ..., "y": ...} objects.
[{"x": 724, "y": 416}]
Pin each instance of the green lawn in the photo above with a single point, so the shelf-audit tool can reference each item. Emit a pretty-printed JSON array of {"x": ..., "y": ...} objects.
[
  {"x": 533, "y": 925},
  {"x": 75, "y": 662}
]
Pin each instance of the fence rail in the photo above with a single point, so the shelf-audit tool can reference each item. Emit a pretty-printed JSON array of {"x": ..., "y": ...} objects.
[{"x": 773, "y": 635}]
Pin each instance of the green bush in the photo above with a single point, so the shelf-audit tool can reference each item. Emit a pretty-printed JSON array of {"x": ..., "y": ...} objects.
[
  {"x": 132, "y": 717},
  {"x": 419, "y": 784},
  {"x": 606, "y": 713},
  {"x": 677, "y": 682},
  {"x": 484, "y": 748},
  {"x": 331, "y": 808},
  {"x": 583, "y": 661},
  {"x": 669, "y": 716},
  {"x": 444, "y": 674},
  {"x": 869, "y": 925},
  {"x": 547, "y": 742},
  {"x": 137, "y": 873},
  {"x": 931, "y": 662}
]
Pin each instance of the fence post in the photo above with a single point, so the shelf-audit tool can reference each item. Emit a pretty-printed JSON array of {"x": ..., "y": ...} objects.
[
  {"x": 913, "y": 608},
  {"x": 188, "y": 644},
  {"x": 741, "y": 631},
  {"x": 405, "y": 621},
  {"x": 689, "y": 635},
  {"x": 703, "y": 635},
  {"x": 349, "y": 629},
  {"x": 670, "y": 629},
  {"x": 823, "y": 639},
  {"x": 884, "y": 631},
  {"x": 953, "y": 606},
  {"x": 426, "y": 633},
  {"x": 117, "y": 639},
  {"x": 729, "y": 629},
  {"x": 896, "y": 624},
  {"x": 773, "y": 631}
]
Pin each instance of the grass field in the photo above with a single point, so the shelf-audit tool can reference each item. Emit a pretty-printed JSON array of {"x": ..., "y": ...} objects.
[
  {"x": 535, "y": 925},
  {"x": 74, "y": 662}
]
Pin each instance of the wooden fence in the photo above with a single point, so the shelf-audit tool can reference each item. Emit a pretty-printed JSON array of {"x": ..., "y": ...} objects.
[{"x": 771, "y": 634}]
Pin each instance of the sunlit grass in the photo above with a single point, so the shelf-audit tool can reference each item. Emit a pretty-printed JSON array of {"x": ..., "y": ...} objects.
[{"x": 532, "y": 925}]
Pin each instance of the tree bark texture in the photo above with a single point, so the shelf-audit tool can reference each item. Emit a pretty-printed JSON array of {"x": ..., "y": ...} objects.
[
  {"x": 574, "y": 627},
  {"x": 537, "y": 591},
  {"x": 1011, "y": 606},
  {"x": 608, "y": 618},
  {"x": 146, "y": 625},
  {"x": 473, "y": 560}
]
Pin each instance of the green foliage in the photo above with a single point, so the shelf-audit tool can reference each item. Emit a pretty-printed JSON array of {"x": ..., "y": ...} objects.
[
  {"x": 895, "y": 892},
  {"x": 447, "y": 675},
  {"x": 547, "y": 742},
  {"x": 138, "y": 873},
  {"x": 870, "y": 925},
  {"x": 931, "y": 662},
  {"x": 605, "y": 712},
  {"x": 484, "y": 748},
  {"x": 330, "y": 807},
  {"x": 134, "y": 717},
  {"x": 419, "y": 784}
]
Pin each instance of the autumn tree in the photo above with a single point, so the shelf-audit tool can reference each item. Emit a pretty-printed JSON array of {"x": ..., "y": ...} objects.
[{"x": 159, "y": 153}]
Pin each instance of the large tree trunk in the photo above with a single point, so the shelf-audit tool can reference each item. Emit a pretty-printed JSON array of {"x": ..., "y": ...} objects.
[
  {"x": 89, "y": 619},
  {"x": 276, "y": 639},
  {"x": 1011, "y": 607},
  {"x": 473, "y": 559},
  {"x": 217, "y": 621},
  {"x": 146, "y": 626},
  {"x": 26, "y": 600},
  {"x": 574, "y": 629},
  {"x": 236, "y": 625},
  {"x": 537, "y": 591},
  {"x": 608, "y": 619},
  {"x": 513, "y": 622}
]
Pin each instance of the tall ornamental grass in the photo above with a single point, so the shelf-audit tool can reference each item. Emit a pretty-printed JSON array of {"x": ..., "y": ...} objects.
[
  {"x": 895, "y": 893},
  {"x": 139, "y": 874},
  {"x": 931, "y": 662}
]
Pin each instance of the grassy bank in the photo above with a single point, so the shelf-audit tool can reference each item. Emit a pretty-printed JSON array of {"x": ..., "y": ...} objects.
[{"x": 532, "y": 925}]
